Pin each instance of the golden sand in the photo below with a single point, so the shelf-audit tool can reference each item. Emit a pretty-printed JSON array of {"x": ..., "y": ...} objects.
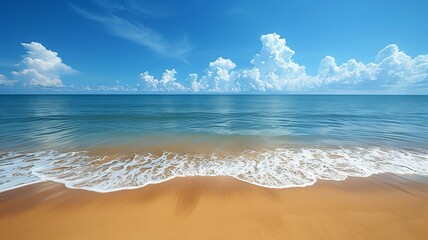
[{"x": 378, "y": 207}]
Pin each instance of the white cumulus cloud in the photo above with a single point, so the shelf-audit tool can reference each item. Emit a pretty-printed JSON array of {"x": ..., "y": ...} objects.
[
  {"x": 115, "y": 88},
  {"x": 274, "y": 70},
  {"x": 167, "y": 83},
  {"x": 391, "y": 68},
  {"x": 397, "y": 67},
  {"x": 41, "y": 67},
  {"x": 219, "y": 77},
  {"x": 277, "y": 69},
  {"x": 6, "y": 82},
  {"x": 351, "y": 72}
]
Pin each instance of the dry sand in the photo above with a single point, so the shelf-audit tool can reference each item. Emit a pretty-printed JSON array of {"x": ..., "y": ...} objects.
[{"x": 378, "y": 207}]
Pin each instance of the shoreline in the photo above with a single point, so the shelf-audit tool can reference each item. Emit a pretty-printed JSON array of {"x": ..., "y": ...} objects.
[
  {"x": 384, "y": 206},
  {"x": 276, "y": 168}
]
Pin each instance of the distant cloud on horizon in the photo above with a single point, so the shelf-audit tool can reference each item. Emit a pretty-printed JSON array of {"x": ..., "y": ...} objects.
[
  {"x": 4, "y": 81},
  {"x": 274, "y": 70}
]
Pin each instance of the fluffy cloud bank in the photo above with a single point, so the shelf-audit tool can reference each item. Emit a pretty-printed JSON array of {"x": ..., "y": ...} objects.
[
  {"x": 5, "y": 82},
  {"x": 41, "y": 67},
  {"x": 274, "y": 70},
  {"x": 391, "y": 67},
  {"x": 167, "y": 83}
]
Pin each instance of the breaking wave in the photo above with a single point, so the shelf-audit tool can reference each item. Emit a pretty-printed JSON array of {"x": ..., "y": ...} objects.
[{"x": 272, "y": 168}]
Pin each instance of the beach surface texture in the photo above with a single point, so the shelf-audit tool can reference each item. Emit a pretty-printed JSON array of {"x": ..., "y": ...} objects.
[{"x": 382, "y": 206}]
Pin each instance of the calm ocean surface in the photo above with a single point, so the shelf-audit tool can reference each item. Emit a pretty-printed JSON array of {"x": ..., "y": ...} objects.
[{"x": 112, "y": 142}]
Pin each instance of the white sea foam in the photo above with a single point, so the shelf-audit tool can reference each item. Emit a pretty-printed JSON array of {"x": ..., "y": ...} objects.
[{"x": 273, "y": 168}]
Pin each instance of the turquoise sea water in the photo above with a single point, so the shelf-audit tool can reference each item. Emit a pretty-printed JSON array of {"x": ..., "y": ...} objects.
[{"x": 112, "y": 142}]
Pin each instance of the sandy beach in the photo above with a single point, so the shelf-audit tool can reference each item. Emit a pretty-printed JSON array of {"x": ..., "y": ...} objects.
[{"x": 379, "y": 207}]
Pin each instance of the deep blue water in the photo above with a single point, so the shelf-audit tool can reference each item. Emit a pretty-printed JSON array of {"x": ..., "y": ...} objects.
[{"x": 87, "y": 121}]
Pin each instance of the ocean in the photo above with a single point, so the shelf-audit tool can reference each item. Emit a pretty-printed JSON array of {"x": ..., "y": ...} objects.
[{"x": 107, "y": 143}]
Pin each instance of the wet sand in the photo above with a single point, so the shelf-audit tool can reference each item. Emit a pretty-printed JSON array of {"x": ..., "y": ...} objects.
[{"x": 379, "y": 207}]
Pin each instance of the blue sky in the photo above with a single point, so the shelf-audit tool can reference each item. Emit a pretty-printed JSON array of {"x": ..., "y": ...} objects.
[{"x": 130, "y": 46}]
